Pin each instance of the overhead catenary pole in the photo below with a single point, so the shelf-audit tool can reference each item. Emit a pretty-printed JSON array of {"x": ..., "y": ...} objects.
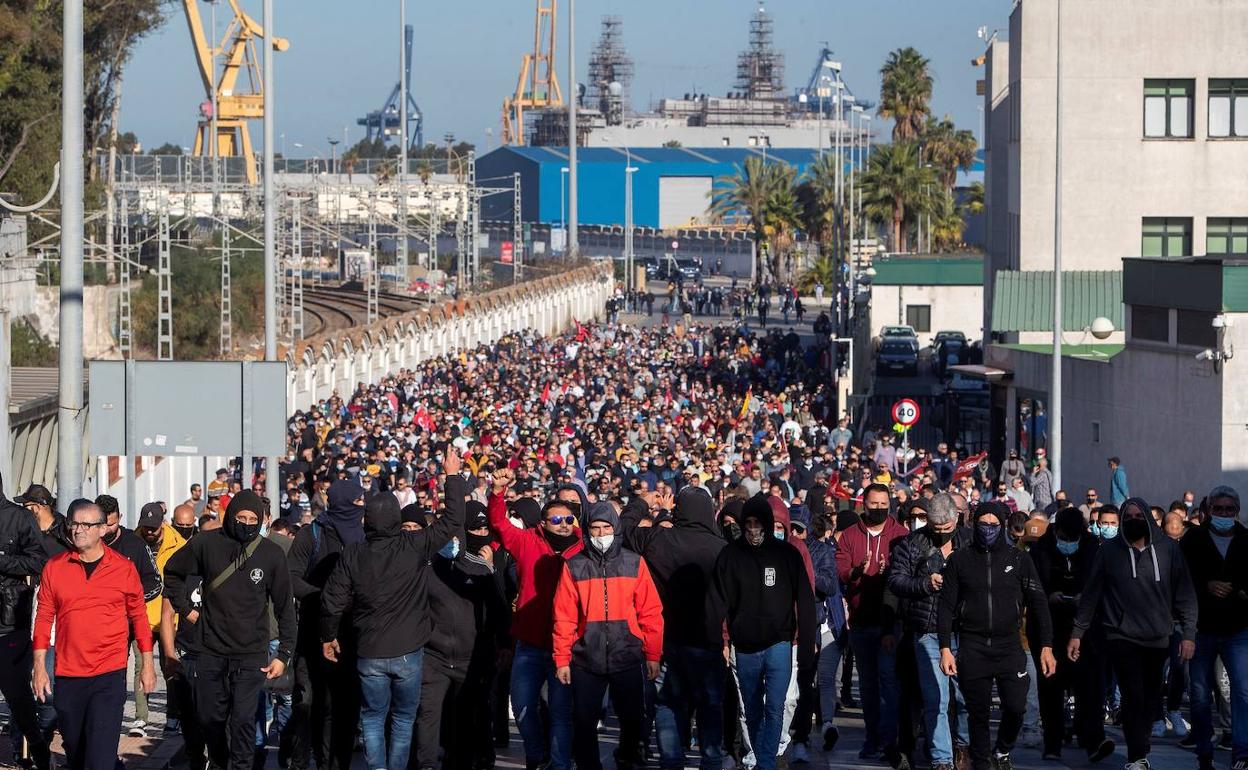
[
  {"x": 1055, "y": 396},
  {"x": 69, "y": 412},
  {"x": 573, "y": 104},
  {"x": 270, "y": 244},
  {"x": 400, "y": 235}
]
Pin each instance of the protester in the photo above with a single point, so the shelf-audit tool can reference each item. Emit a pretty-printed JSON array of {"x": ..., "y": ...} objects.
[
  {"x": 1137, "y": 587},
  {"x": 243, "y": 574},
  {"x": 93, "y": 597},
  {"x": 608, "y": 627},
  {"x": 987, "y": 615}
]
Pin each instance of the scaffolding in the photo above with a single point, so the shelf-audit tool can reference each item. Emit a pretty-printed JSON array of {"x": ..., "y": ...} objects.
[
  {"x": 227, "y": 300},
  {"x": 125, "y": 334},
  {"x": 610, "y": 73},
  {"x": 760, "y": 68}
]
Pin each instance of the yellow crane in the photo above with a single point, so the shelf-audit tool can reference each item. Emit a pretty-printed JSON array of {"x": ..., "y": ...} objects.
[
  {"x": 538, "y": 86},
  {"x": 233, "y": 107}
]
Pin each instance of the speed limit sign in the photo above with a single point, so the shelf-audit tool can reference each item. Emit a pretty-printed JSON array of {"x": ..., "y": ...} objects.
[{"x": 906, "y": 412}]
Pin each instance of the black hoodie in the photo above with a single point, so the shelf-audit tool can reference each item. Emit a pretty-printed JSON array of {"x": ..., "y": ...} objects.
[
  {"x": 762, "y": 591},
  {"x": 234, "y": 619},
  {"x": 681, "y": 559},
  {"x": 381, "y": 584},
  {"x": 1138, "y": 594},
  {"x": 985, "y": 591}
]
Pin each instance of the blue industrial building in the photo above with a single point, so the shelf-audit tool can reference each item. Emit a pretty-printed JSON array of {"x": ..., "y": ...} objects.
[{"x": 671, "y": 186}]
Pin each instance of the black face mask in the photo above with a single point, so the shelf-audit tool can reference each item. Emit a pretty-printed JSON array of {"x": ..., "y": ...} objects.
[
  {"x": 474, "y": 543},
  {"x": 187, "y": 532},
  {"x": 732, "y": 531},
  {"x": 1134, "y": 529},
  {"x": 939, "y": 538},
  {"x": 561, "y": 542},
  {"x": 244, "y": 533},
  {"x": 875, "y": 516}
]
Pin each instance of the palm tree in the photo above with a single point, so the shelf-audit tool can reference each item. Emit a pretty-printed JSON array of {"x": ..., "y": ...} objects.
[
  {"x": 764, "y": 194},
  {"x": 948, "y": 148},
  {"x": 895, "y": 187},
  {"x": 974, "y": 201},
  {"x": 906, "y": 93}
]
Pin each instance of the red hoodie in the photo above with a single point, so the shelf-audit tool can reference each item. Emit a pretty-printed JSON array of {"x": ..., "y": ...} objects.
[
  {"x": 864, "y": 591},
  {"x": 780, "y": 513},
  {"x": 538, "y": 568}
]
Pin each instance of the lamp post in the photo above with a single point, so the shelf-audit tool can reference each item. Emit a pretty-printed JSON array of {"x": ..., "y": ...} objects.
[
  {"x": 270, "y": 226},
  {"x": 333, "y": 154},
  {"x": 629, "y": 170},
  {"x": 764, "y": 140},
  {"x": 400, "y": 235},
  {"x": 1055, "y": 396},
  {"x": 563, "y": 211},
  {"x": 573, "y": 105}
]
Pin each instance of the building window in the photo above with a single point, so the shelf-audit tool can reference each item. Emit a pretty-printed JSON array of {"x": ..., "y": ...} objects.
[
  {"x": 1228, "y": 108},
  {"x": 1168, "y": 108},
  {"x": 1150, "y": 323},
  {"x": 1195, "y": 328},
  {"x": 919, "y": 317},
  {"x": 1167, "y": 237},
  {"x": 1096, "y": 431},
  {"x": 1227, "y": 236}
]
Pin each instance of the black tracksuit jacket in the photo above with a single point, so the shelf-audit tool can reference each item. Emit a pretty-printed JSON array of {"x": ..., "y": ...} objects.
[{"x": 984, "y": 594}]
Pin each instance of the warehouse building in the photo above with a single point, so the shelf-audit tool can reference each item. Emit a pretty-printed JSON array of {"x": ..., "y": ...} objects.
[{"x": 672, "y": 186}]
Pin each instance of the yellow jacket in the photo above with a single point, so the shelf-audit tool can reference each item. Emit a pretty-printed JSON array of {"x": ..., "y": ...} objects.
[{"x": 170, "y": 543}]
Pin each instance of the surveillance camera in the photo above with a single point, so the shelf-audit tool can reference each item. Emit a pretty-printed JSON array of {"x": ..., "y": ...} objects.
[{"x": 1205, "y": 355}]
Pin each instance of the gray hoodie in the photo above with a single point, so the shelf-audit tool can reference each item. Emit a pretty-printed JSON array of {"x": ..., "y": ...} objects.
[{"x": 1138, "y": 595}]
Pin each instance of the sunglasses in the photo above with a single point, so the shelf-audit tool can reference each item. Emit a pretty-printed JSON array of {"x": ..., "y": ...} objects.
[{"x": 558, "y": 520}]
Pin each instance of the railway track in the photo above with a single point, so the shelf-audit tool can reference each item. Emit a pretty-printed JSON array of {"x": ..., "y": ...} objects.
[{"x": 335, "y": 309}]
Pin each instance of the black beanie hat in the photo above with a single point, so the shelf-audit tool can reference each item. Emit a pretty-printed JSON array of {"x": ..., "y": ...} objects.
[{"x": 245, "y": 501}]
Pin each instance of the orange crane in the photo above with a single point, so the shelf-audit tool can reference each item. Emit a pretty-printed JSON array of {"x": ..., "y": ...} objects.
[
  {"x": 538, "y": 86},
  {"x": 233, "y": 107}
]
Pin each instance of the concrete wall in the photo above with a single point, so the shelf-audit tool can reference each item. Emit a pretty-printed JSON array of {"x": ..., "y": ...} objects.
[
  {"x": 1112, "y": 176},
  {"x": 996, "y": 143},
  {"x": 97, "y": 331},
  {"x": 953, "y": 307},
  {"x": 1175, "y": 422}
]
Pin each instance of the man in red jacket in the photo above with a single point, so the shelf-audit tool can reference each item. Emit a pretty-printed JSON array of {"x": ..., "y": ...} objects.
[
  {"x": 94, "y": 597},
  {"x": 540, "y": 554},
  {"x": 862, "y": 558},
  {"x": 608, "y": 624}
]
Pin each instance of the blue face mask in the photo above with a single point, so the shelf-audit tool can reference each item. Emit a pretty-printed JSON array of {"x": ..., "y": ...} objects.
[
  {"x": 450, "y": 550},
  {"x": 778, "y": 535},
  {"x": 1067, "y": 547},
  {"x": 986, "y": 535},
  {"x": 1222, "y": 524},
  {"x": 1109, "y": 532}
]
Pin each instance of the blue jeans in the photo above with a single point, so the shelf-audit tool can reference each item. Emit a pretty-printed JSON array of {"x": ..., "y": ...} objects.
[
  {"x": 877, "y": 681},
  {"x": 1233, "y": 650},
  {"x": 829, "y": 663},
  {"x": 273, "y": 710},
  {"x": 690, "y": 683},
  {"x": 937, "y": 689},
  {"x": 389, "y": 687},
  {"x": 532, "y": 667},
  {"x": 763, "y": 678}
]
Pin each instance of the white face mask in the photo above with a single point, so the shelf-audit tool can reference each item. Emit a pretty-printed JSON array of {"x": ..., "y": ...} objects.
[
  {"x": 602, "y": 542},
  {"x": 917, "y": 524}
]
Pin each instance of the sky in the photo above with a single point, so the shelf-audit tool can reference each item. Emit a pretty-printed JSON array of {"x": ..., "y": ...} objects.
[{"x": 343, "y": 58}]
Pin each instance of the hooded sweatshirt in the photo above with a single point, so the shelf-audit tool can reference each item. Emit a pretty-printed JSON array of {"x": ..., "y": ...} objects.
[
  {"x": 314, "y": 554},
  {"x": 381, "y": 584},
  {"x": 858, "y": 557},
  {"x": 608, "y": 617},
  {"x": 234, "y": 620},
  {"x": 681, "y": 559},
  {"x": 1138, "y": 594},
  {"x": 763, "y": 592}
]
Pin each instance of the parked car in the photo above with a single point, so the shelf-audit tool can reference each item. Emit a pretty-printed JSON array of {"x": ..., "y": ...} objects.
[
  {"x": 948, "y": 335},
  {"x": 897, "y": 356},
  {"x": 899, "y": 331},
  {"x": 686, "y": 268},
  {"x": 970, "y": 393},
  {"x": 947, "y": 352}
]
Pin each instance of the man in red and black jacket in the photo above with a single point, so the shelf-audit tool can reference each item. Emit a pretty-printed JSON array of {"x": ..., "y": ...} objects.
[
  {"x": 608, "y": 624},
  {"x": 93, "y": 596},
  {"x": 540, "y": 554}
]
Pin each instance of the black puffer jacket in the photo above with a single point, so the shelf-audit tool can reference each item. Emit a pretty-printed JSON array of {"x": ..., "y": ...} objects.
[
  {"x": 469, "y": 611},
  {"x": 915, "y": 559},
  {"x": 21, "y": 556}
]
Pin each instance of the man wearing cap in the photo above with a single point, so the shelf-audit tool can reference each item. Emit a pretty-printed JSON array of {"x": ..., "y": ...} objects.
[
  {"x": 93, "y": 597},
  {"x": 243, "y": 574},
  {"x": 608, "y": 629},
  {"x": 162, "y": 542},
  {"x": 38, "y": 500},
  {"x": 221, "y": 484}
]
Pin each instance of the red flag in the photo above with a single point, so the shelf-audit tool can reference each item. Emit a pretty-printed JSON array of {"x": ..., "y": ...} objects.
[
  {"x": 581, "y": 331},
  {"x": 424, "y": 419},
  {"x": 546, "y": 393},
  {"x": 967, "y": 466}
]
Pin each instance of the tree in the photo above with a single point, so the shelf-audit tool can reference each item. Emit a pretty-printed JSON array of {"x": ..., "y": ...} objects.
[
  {"x": 906, "y": 93},
  {"x": 168, "y": 148},
  {"x": 672, "y": 143},
  {"x": 974, "y": 201},
  {"x": 895, "y": 187},
  {"x": 949, "y": 149},
  {"x": 764, "y": 194},
  {"x": 127, "y": 143}
]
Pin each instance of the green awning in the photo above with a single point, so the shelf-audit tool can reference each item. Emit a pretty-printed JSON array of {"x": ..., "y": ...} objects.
[{"x": 1022, "y": 300}]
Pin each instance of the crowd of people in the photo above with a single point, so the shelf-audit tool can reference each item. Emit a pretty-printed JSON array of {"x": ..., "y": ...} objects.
[{"x": 671, "y": 528}]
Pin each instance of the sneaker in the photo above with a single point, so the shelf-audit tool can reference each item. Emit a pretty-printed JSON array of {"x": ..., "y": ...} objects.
[
  {"x": 1002, "y": 761},
  {"x": 172, "y": 726},
  {"x": 1139, "y": 764},
  {"x": 1240, "y": 764},
  {"x": 830, "y": 736},
  {"x": 137, "y": 729},
  {"x": 1178, "y": 724},
  {"x": 1204, "y": 763},
  {"x": 896, "y": 759},
  {"x": 1159, "y": 728},
  {"x": 1187, "y": 741},
  {"x": 1100, "y": 752},
  {"x": 798, "y": 754}
]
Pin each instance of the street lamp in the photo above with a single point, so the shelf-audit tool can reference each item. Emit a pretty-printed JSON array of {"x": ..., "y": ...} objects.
[
  {"x": 629, "y": 170},
  {"x": 1056, "y": 461},
  {"x": 333, "y": 154},
  {"x": 763, "y": 140},
  {"x": 563, "y": 216}
]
